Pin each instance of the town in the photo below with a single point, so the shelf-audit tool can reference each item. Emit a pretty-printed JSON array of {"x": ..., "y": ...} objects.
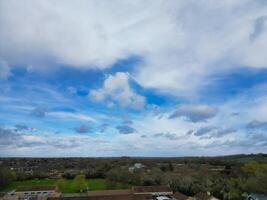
[{"x": 197, "y": 178}]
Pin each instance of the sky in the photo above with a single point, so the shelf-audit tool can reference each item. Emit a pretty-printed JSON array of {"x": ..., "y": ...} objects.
[{"x": 133, "y": 78}]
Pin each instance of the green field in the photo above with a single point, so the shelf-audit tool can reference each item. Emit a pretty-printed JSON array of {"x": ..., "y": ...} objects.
[{"x": 67, "y": 187}]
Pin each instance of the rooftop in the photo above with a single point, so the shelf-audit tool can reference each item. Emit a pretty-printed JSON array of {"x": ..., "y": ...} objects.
[
  {"x": 151, "y": 189},
  {"x": 109, "y": 192},
  {"x": 136, "y": 193}
]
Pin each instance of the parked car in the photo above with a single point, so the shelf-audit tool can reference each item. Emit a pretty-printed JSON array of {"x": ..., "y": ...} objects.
[{"x": 257, "y": 197}]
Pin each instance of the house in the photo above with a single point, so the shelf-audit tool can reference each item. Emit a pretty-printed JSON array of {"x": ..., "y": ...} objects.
[
  {"x": 114, "y": 194},
  {"x": 33, "y": 193},
  {"x": 152, "y": 190},
  {"x": 136, "y": 166},
  {"x": 136, "y": 193}
]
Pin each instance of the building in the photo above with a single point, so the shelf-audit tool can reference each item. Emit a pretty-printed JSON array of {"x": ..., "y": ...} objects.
[
  {"x": 152, "y": 190},
  {"x": 136, "y": 193},
  {"x": 136, "y": 166},
  {"x": 111, "y": 194},
  {"x": 33, "y": 193}
]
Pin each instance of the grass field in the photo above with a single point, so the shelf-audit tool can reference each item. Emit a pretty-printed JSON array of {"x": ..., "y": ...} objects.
[{"x": 67, "y": 187}]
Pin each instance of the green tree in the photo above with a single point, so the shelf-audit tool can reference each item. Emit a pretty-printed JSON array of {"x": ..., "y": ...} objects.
[
  {"x": 79, "y": 183},
  {"x": 235, "y": 195},
  {"x": 170, "y": 166},
  {"x": 6, "y": 177},
  {"x": 235, "y": 188},
  {"x": 61, "y": 183},
  {"x": 252, "y": 167},
  {"x": 257, "y": 179},
  {"x": 183, "y": 184}
]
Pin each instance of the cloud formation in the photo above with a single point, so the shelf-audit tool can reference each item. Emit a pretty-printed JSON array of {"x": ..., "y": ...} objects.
[
  {"x": 72, "y": 116},
  {"x": 255, "y": 124},
  {"x": 20, "y": 127},
  {"x": 194, "y": 113},
  {"x": 192, "y": 41},
  {"x": 103, "y": 127},
  {"x": 116, "y": 90},
  {"x": 258, "y": 27},
  {"x": 125, "y": 129},
  {"x": 213, "y": 132},
  {"x": 39, "y": 112},
  {"x": 204, "y": 130},
  {"x": 4, "y": 70},
  {"x": 248, "y": 143},
  {"x": 189, "y": 53},
  {"x": 82, "y": 129},
  {"x": 170, "y": 136},
  {"x": 22, "y": 144},
  {"x": 8, "y": 136}
]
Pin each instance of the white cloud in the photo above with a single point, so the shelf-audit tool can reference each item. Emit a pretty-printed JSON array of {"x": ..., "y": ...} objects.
[
  {"x": 71, "y": 116},
  {"x": 216, "y": 37},
  {"x": 116, "y": 89},
  {"x": 49, "y": 144},
  {"x": 181, "y": 42},
  {"x": 195, "y": 113},
  {"x": 209, "y": 135},
  {"x": 248, "y": 106},
  {"x": 229, "y": 135}
]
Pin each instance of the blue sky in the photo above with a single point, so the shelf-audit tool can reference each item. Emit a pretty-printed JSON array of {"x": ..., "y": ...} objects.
[{"x": 153, "y": 78}]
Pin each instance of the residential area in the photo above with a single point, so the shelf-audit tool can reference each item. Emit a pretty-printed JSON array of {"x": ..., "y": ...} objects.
[{"x": 237, "y": 177}]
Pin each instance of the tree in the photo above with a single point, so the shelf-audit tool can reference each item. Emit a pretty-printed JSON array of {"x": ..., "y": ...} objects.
[
  {"x": 170, "y": 166},
  {"x": 252, "y": 167},
  {"x": 235, "y": 195},
  {"x": 79, "y": 183},
  {"x": 183, "y": 184},
  {"x": 6, "y": 177},
  {"x": 257, "y": 179},
  {"x": 61, "y": 183}
]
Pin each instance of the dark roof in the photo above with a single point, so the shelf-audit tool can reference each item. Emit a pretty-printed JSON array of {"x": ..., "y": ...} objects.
[
  {"x": 151, "y": 189},
  {"x": 119, "y": 194},
  {"x": 142, "y": 196},
  {"x": 180, "y": 196},
  {"x": 109, "y": 192},
  {"x": 36, "y": 188},
  {"x": 107, "y": 195},
  {"x": 115, "y": 197}
]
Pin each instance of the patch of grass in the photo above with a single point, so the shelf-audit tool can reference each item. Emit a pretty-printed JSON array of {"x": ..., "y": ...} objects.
[
  {"x": 67, "y": 187},
  {"x": 97, "y": 184}
]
